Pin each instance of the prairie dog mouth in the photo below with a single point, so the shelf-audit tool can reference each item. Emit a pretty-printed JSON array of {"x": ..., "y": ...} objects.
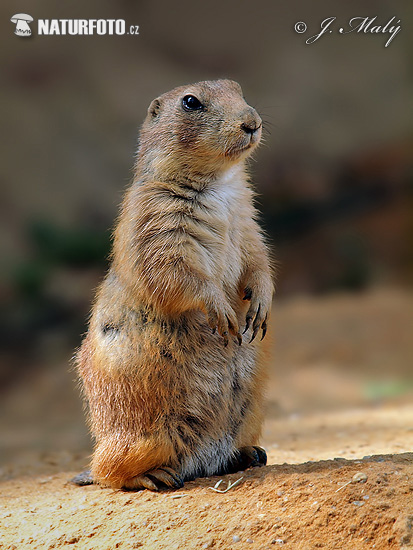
[{"x": 242, "y": 146}]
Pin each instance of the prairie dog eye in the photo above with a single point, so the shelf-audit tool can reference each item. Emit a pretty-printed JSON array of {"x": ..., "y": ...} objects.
[{"x": 191, "y": 103}]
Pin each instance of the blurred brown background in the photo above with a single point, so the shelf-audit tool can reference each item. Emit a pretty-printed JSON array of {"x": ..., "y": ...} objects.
[{"x": 334, "y": 178}]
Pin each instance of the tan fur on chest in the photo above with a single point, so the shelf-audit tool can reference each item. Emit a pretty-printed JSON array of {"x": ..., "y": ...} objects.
[{"x": 208, "y": 226}]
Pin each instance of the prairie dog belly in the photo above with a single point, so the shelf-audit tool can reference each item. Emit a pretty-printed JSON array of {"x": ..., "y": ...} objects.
[{"x": 203, "y": 389}]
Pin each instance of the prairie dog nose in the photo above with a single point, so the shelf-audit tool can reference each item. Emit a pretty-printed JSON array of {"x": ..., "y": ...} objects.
[{"x": 251, "y": 123}]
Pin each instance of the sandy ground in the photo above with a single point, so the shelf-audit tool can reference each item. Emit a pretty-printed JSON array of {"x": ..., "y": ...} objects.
[{"x": 338, "y": 431}]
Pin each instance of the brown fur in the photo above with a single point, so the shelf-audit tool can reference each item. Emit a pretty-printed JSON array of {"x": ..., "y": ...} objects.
[{"x": 164, "y": 390}]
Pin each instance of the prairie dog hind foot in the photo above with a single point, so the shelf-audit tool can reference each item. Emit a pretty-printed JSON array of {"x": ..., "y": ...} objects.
[{"x": 165, "y": 477}]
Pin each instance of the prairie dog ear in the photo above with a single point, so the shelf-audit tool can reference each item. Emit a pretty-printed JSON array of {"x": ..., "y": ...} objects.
[
  {"x": 236, "y": 87},
  {"x": 154, "y": 108}
]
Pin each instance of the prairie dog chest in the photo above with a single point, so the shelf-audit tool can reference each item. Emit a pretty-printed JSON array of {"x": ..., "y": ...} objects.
[{"x": 220, "y": 212}]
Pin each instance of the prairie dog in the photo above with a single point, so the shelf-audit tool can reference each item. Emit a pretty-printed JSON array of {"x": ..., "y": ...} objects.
[{"x": 174, "y": 389}]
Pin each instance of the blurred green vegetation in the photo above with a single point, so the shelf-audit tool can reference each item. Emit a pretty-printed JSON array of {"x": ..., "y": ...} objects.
[
  {"x": 53, "y": 246},
  {"x": 46, "y": 297},
  {"x": 376, "y": 390},
  {"x": 78, "y": 247}
]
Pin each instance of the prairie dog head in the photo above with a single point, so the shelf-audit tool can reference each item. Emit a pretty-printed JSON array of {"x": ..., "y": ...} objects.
[{"x": 197, "y": 131}]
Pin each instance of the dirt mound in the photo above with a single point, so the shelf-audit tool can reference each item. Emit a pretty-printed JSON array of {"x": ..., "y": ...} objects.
[{"x": 329, "y": 504}]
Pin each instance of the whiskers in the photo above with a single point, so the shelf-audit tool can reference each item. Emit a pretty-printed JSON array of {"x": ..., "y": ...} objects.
[{"x": 267, "y": 124}]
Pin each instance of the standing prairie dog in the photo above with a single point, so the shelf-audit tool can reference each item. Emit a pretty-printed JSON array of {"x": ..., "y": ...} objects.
[{"x": 174, "y": 389}]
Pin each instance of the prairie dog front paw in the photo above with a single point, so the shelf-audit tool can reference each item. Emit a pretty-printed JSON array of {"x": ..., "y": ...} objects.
[
  {"x": 260, "y": 296},
  {"x": 222, "y": 317}
]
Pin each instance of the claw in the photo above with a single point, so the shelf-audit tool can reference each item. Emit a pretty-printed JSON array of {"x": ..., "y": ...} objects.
[
  {"x": 167, "y": 477},
  {"x": 247, "y": 457},
  {"x": 254, "y": 334},
  {"x": 264, "y": 328},
  {"x": 247, "y": 324},
  {"x": 255, "y": 456},
  {"x": 231, "y": 327},
  {"x": 154, "y": 480},
  {"x": 257, "y": 315},
  {"x": 239, "y": 338},
  {"x": 140, "y": 482},
  {"x": 149, "y": 483},
  {"x": 175, "y": 476},
  {"x": 262, "y": 455},
  {"x": 256, "y": 324}
]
